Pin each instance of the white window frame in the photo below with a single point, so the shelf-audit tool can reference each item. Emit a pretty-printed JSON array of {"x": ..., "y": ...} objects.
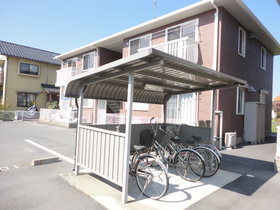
[
  {"x": 72, "y": 59},
  {"x": 240, "y": 100},
  {"x": 193, "y": 22},
  {"x": 94, "y": 60},
  {"x": 263, "y": 58},
  {"x": 147, "y": 36},
  {"x": 242, "y": 42}
]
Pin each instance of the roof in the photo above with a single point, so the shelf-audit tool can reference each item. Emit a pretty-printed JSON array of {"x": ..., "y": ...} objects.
[
  {"x": 236, "y": 7},
  {"x": 157, "y": 76},
  {"x": 51, "y": 89},
  {"x": 20, "y": 51},
  {"x": 277, "y": 98}
]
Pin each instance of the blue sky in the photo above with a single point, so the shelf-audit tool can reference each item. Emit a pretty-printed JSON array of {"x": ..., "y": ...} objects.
[{"x": 63, "y": 25}]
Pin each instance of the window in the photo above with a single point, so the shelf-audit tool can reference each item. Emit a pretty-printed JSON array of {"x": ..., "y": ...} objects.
[
  {"x": 88, "y": 103},
  {"x": 241, "y": 42},
  {"x": 187, "y": 29},
  {"x": 30, "y": 69},
  {"x": 139, "y": 43},
  {"x": 263, "y": 58},
  {"x": 88, "y": 60},
  {"x": 240, "y": 100},
  {"x": 72, "y": 62},
  {"x": 25, "y": 99}
]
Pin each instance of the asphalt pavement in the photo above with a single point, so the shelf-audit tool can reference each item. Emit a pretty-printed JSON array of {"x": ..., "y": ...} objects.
[
  {"x": 27, "y": 187},
  {"x": 246, "y": 179}
]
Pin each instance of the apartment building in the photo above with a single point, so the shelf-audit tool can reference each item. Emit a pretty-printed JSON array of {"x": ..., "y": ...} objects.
[
  {"x": 27, "y": 76},
  {"x": 223, "y": 35}
]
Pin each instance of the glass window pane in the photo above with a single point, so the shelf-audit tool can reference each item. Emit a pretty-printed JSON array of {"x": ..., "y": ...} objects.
[
  {"x": 91, "y": 60},
  {"x": 188, "y": 31},
  {"x": 71, "y": 63},
  {"x": 134, "y": 46},
  {"x": 86, "y": 58},
  {"x": 145, "y": 42},
  {"x": 173, "y": 33},
  {"x": 34, "y": 69},
  {"x": 24, "y": 68}
]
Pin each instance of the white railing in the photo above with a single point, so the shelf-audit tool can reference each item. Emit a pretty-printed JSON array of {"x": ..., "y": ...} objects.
[
  {"x": 64, "y": 75},
  {"x": 185, "y": 48}
]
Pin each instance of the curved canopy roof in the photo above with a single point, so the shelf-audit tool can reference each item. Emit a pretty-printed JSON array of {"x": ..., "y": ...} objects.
[{"x": 157, "y": 76}]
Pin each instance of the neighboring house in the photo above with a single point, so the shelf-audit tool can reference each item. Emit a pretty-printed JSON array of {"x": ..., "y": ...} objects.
[
  {"x": 276, "y": 107},
  {"x": 222, "y": 35},
  {"x": 27, "y": 76}
]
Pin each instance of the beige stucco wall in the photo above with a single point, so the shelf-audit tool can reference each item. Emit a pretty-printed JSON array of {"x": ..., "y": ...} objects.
[{"x": 28, "y": 83}]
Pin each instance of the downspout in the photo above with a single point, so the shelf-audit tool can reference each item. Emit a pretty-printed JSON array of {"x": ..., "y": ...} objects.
[
  {"x": 215, "y": 45},
  {"x": 214, "y": 67},
  {"x": 95, "y": 107},
  {"x": 220, "y": 128},
  {"x": 5, "y": 80}
]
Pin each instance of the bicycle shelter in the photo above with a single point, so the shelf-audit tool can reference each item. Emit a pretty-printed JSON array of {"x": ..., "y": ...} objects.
[{"x": 150, "y": 76}]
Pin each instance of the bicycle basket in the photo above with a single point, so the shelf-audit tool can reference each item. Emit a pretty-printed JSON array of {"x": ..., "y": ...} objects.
[{"x": 146, "y": 138}]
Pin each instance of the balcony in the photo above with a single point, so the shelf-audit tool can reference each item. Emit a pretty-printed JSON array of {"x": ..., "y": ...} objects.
[
  {"x": 185, "y": 48},
  {"x": 64, "y": 75}
]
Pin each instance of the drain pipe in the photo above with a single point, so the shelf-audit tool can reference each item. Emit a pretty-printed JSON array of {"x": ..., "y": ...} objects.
[
  {"x": 216, "y": 28},
  {"x": 220, "y": 128},
  {"x": 214, "y": 67},
  {"x": 5, "y": 78}
]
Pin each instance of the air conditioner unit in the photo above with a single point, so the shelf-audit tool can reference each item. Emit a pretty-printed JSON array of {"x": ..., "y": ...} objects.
[{"x": 230, "y": 139}]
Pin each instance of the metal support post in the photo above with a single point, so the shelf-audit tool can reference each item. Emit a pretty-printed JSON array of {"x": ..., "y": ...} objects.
[
  {"x": 127, "y": 136},
  {"x": 80, "y": 119}
]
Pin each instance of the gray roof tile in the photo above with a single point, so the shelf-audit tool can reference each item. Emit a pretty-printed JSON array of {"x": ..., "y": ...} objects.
[
  {"x": 20, "y": 51},
  {"x": 50, "y": 88}
]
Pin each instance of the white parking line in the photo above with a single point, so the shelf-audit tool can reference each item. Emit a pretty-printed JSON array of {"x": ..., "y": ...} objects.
[{"x": 50, "y": 151}]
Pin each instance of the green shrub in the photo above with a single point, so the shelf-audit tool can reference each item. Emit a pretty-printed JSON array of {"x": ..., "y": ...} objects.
[{"x": 7, "y": 116}]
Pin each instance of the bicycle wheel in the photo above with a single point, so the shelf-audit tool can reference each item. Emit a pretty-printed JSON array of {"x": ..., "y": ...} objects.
[
  {"x": 189, "y": 165},
  {"x": 151, "y": 176},
  {"x": 211, "y": 160}
]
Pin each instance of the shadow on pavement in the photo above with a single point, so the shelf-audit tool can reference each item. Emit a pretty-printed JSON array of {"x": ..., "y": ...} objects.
[{"x": 255, "y": 172}]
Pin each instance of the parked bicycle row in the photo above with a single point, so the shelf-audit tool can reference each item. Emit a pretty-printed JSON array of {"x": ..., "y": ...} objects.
[{"x": 162, "y": 148}]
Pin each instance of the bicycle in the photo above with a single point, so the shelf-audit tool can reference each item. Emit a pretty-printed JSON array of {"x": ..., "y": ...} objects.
[
  {"x": 188, "y": 163},
  {"x": 150, "y": 173},
  {"x": 212, "y": 159}
]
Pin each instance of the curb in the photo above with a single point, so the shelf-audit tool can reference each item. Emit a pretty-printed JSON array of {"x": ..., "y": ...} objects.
[{"x": 44, "y": 161}]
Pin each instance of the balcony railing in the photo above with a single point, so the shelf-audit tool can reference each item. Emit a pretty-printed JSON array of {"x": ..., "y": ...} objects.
[
  {"x": 185, "y": 48},
  {"x": 64, "y": 75}
]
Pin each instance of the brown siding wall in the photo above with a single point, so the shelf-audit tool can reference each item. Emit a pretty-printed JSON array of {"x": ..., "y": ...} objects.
[
  {"x": 107, "y": 56},
  {"x": 248, "y": 68},
  {"x": 205, "y": 56},
  {"x": 154, "y": 110}
]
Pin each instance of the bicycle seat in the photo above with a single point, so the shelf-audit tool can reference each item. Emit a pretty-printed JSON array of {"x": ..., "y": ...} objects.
[
  {"x": 190, "y": 142},
  {"x": 175, "y": 140},
  {"x": 196, "y": 138},
  {"x": 139, "y": 147}
]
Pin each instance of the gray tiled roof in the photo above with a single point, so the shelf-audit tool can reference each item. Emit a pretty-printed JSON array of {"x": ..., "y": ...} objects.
[
  {"x": 20, "y": 51},
  {"x": 50, "y": 88}
]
